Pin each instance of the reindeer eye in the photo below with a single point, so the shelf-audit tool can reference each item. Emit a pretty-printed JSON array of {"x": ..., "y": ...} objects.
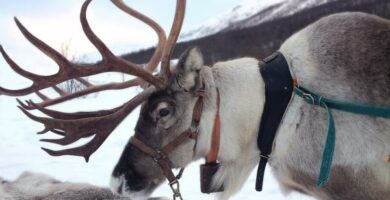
[
  {"x": 164, "y": 112},
  {"x": 163, "y": 109}
]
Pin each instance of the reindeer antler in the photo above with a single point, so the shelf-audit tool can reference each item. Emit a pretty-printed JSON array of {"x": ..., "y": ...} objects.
[
  {"x": 100, "y": 124},
  {"x": 68, "y": 70}
]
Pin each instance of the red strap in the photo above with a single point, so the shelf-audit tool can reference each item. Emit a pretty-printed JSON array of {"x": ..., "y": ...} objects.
[{"x": 215, "y": 138}]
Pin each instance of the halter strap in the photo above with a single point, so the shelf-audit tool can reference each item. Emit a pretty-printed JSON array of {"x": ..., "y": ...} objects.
[{"x": 160, "y": 155}]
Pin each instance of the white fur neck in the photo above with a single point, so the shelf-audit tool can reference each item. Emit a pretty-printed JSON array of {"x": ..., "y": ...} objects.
[{"x": 240, "y": 110}]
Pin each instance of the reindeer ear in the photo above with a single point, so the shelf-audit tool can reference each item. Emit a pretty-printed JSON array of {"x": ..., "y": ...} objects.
[{"x": 187, "y": 69}]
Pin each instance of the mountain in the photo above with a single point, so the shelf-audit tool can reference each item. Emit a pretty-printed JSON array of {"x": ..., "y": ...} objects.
[
  {"x": 250, "y": 13},
  {"x": 263, "y": 32},
  {"x": 244, "y": 10}
]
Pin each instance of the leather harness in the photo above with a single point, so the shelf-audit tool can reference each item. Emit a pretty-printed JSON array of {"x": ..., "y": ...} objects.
[
  {"x": 278, "y": 92},
  {"x": 279, "y": 86},
  {"x": 215, "y": 137},
  {"x": 160, "y": 156}
]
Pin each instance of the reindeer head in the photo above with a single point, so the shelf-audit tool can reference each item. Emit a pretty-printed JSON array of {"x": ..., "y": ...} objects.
[
  {"x": 164, "y": 116},
  {"x": 171, "y": 105}
]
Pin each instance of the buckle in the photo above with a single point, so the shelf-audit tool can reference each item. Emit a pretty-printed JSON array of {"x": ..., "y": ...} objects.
[
  {"x": 194, "y": 129},
  {"x": 159, "y": 156},
  {"x": 309, "y": 97},
  {"x": 175, "y": 186},
  {"x": 263, "y": 156}
]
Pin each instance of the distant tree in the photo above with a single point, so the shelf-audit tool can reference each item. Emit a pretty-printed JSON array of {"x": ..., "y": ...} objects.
[{"x": 72, "y": 85}]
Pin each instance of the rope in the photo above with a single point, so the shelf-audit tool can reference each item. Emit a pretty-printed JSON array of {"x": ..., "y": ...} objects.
[{"x": 327, "y": 104}]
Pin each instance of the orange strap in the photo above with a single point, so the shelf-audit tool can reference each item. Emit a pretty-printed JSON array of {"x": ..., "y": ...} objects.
[{"x": 215, "y": 138}]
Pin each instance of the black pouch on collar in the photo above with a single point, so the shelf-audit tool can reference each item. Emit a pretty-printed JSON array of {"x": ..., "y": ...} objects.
[{"x": 207, "y": 172}]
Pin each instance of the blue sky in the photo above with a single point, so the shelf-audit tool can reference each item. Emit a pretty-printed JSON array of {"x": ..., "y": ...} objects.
[
  {"x": 197, "y": 10},
  {"x": 56, "y": 22}
]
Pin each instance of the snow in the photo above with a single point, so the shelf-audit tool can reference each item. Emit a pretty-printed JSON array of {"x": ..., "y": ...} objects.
[
  {"x": 19, "y": 149},
  {"x": 291, "y": 7},
  {"x": 243, "y": 10},
  {"x": 250, "y": 13},
  {"x": 284, "y": 9},
  {"x": 19, "y": 146}
]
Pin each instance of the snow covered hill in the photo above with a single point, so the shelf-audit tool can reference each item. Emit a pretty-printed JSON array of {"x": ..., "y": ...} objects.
[
  {"x": 287, "y": 8},
  {"x": 244, "y": 10},
  {"x": 250, "y": 13}
]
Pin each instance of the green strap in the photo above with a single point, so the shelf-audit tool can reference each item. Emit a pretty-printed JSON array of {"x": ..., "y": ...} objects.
[{"x": 314, "y": 99}]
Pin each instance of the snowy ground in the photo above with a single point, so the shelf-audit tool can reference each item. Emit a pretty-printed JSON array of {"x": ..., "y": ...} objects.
[{"x": 19, "y": 151}]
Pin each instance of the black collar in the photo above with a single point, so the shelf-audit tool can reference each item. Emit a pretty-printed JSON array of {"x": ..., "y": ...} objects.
[{"x": 278, "y": 91}]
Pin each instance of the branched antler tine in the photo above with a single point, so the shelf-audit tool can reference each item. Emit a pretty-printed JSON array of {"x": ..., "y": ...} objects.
[
  {"x": 63, "y": 141},
  {"x": 45, "y": 130},
  {"x": 31, "y": 116},
  {"x": 28, "y": 105},
  {"x": 16, "y": 67},
  {"x": 84, "y": 82},
  {"x": 23, "y": 105},
  {"x": 77, "y": 115},
  {"x": 108, "y": 56},
  {"x": 79, "y": 128},
  {"x": 89, "y": 90},
  {"x": 20, "y": 92},
  {"x": 84, "y": 151},
  {"x": 96, "y": 41},
  {"x": 60, "y": 91},
  {"x": 172, "y": 38},
  {"x": 153, "y": 63},
  {"x": 42, "y": 96},
  {"x": 62, "y": 62},
  {"x": 100, "y": 126},
  {"x": 58, "y": 132},
  {"x": 68, "y": 70}
]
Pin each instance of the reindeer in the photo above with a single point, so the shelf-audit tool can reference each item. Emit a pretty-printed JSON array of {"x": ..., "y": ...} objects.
[
  {"x": 39, "y": 186},
  {"x": 342, "y": 56}
]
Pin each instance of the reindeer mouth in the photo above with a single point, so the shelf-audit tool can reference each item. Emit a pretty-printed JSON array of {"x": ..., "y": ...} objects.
[{"x": 117, "y": 184}]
